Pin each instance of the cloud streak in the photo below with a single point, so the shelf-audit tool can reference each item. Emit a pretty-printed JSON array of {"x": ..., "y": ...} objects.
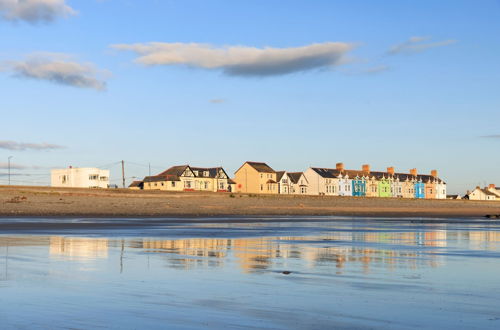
[
  {"x": 493, "y": 136},
  {"x": 19, "y": 146},
  {"x": 14, "y": 166},
  {"x": 34, "y": 11},
  {"x": 59, "y": 69},
  {"x": 241, "y": 60},
  {"x": 417, "y": 45}
]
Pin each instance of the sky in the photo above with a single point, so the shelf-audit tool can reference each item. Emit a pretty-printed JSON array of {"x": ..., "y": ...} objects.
[{"x": 409, "y": 84}]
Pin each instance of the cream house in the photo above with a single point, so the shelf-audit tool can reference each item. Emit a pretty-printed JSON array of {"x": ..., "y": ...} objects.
[
  {"x": 479, "y": 194},
  {"x": 256, "y": 178},
  {"x": 83, "y": 177},
  {"x": 187, "y": 178},
  {"x": 322, "y": 181}
]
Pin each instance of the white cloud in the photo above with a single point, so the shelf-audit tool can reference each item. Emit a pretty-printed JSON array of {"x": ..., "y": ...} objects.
[
  {"x": 241, "y": 60},
  {"x": 34, "y": 11},
  {"x": 417, "y": 45},
  {"x": 20, "y": 146},
  {"x": 59, "y": 69}
]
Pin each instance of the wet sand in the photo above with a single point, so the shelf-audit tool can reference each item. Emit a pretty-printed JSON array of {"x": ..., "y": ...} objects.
[
  {"x": 22, "y": 201},
  {"x": 350, "y": 274}
]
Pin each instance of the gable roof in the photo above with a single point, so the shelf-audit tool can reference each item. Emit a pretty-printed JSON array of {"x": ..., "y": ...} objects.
[
  {"x": 136, "y": 184},
  {"x": 259, "y": 167},
  {"x": 279, "y": 175},
  {"x": 174, "y": 170},
  {"x": 295, "y": 176},
  {"x": 212, "y": 171}
]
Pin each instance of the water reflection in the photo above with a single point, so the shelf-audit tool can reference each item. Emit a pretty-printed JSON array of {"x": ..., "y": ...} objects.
[{"x": 364, "y": 249}]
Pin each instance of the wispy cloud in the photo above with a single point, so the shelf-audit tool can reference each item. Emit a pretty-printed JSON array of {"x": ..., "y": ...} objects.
[
  {"x": 417, "y": 45},
  {"x": 493, "y": 136},
  {"x": 15, "y": 166},
  {"x": 20, "y": 146},
  {"x": 217, "y": 101},
  {"x": 58, "y": 68},
  {"x": 376, "y": 69},
  {"x": 241, "y": 60},
  {"x": 34, "y": 11}
]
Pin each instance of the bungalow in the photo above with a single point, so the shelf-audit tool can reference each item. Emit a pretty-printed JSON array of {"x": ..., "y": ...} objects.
[
  {"x": 479, "y": 194},
  {"x": 187, "y": 178},
  {"x": 256, "y": 178},
  {"x": 136, "y": 185}
]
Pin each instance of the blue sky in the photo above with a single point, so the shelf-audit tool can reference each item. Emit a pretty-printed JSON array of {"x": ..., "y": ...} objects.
[{"x": 415, "y": 85}]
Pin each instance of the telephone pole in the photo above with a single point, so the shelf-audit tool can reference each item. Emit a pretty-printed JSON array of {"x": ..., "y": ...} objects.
[
  {"x": 123, "y": 173},
  {"x": 8, "y": 166}
]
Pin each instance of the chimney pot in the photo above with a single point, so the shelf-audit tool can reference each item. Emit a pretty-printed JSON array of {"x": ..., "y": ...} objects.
[
  {"x": 434, "y": 173},
  {"x": 390, "y": 170},
  {"x": 366, "y": 169},
  {"x": 413, "y": 171},
  {"x": 340, "y": 166},
  {"x": 492, "y": 186}
]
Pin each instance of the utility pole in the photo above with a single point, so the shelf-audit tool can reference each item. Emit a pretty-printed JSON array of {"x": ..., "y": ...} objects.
[
  {"x": 123, "y": 173},
  {"x": 8, "y": 166},
  {"x": 149, "y": 169}
]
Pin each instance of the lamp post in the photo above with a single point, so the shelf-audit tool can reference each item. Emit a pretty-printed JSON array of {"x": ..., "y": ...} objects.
[{"x": 8, "y": 166}]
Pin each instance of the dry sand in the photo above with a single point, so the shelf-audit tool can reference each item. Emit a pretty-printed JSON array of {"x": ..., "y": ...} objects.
[{"x": 21, "y": 201}]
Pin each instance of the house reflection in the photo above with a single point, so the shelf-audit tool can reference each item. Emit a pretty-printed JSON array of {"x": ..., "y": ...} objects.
[
  {"x": 256, "y": 254},
  {"x": 74, "y": 248}
]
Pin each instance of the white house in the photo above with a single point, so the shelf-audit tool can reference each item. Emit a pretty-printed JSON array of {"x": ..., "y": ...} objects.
[
  {"x": 322, "y": 181},
  {"x": 85, "y": 177},
  {"x": 298, "y": 182},
  {"x": 479, "y": 194},
  {"x": 344, "y": 185}
]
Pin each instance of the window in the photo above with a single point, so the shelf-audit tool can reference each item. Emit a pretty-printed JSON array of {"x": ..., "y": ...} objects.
[
  {"x": 221, "y": 185},
  {"x": 303, "y": 190},
  {"x": 206, "y": 184},
  {"x": 261, "y": 186},
  {"x": 64, "y": 178},
  {"x": 104, "y": 178},
  {"x": 93, "y": 177},
  {"x": 187, "y": 184},
  {"x": 173, "y": 183},
  {"x": 162, "y": 184},
  {"x": 261, "y": 175}
]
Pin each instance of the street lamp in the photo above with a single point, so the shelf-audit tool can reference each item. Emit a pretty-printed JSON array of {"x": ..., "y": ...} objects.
[{"x": 8, "y": 166}]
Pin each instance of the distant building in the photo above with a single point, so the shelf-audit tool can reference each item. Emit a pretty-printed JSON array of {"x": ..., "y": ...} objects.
[
  {"x": 256, "y": 178},
  {"x": 291, "y": 183},
  {"x": 481, "y": 194},
  {"x": 187, "y": 178},
  {"x": 84, "y": 177},
  {"x": 136, "y": 185}
]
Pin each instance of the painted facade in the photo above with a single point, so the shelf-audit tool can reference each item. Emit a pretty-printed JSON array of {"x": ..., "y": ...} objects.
[
  {"x": 84, "y": 177},
  {"x": 256, "y": 178},
  {"x": 187, "y": 178}
]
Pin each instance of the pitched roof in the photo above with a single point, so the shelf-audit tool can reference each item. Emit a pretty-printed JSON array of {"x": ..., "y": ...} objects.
[
  {"x": 326, "y": 172},
  {"x": 260, "y": 167},
  {"x": 174, "y": 170},
  {"x": 279, "y": 175},
  {"x": 136, "y": 184},
  {"x": 212, "y": 171},
  {"x": 487, "y": 192},
  {"x": 295, "y": 177}
]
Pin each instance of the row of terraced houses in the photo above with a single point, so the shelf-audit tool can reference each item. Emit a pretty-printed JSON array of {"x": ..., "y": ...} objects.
[{"x": 260, "y": 178}]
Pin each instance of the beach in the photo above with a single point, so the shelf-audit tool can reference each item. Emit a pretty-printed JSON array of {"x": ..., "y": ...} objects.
[{"x": 24, "y": 201}]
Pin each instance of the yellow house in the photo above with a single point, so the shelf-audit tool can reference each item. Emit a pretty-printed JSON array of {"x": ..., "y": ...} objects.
[
  {"x": 187, "y": 178},
  {"x": 256, "y": 178}
]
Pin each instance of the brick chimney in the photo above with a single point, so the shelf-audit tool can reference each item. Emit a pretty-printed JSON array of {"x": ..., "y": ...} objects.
[
  {"x": 434, "y": 173},
  {"x": 491, "y": 186},
  {"x": 413, "y": 171},
  {"x": 366, "y": 169},
  {"x": 390, "y": 170},
  {"x": 340, "y": 167}
]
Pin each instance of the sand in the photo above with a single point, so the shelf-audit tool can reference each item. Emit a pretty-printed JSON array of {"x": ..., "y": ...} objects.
[{"x": 22, "y": 201}]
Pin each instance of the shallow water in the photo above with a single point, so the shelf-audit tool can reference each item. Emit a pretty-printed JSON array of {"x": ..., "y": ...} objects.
[{"x": 232, "y": 273}]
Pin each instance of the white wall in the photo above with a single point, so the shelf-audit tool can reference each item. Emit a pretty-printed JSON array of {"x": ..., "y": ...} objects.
[{"x": 79, "y": 178}]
